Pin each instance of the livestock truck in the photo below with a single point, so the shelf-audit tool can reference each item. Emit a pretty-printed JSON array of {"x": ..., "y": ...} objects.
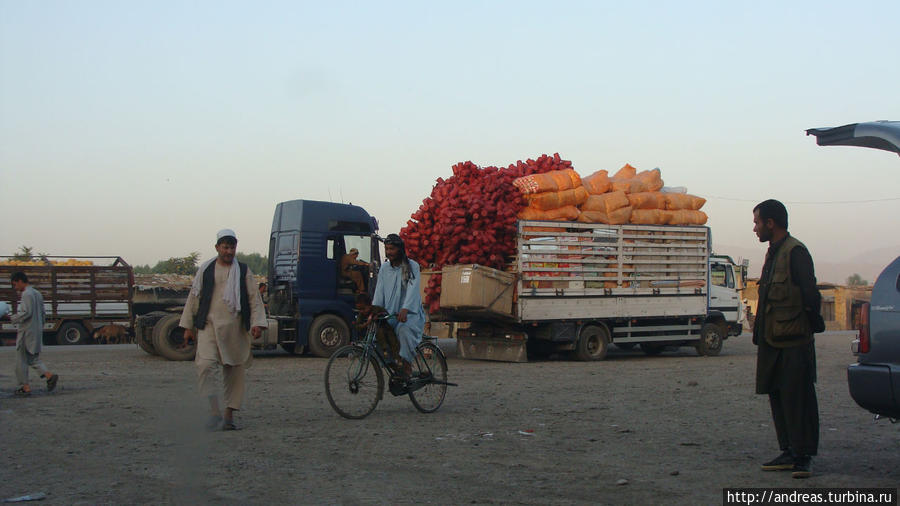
[
  {"x": 81, "y": 295},
  {"x": 310, "y": 303},
  {"x": 580, "y": 287}
]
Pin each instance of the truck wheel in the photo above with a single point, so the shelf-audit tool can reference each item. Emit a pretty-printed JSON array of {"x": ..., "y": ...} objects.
[
  {"x": 711, "y": 338},
  {"x": 651, "y": 349},
  {"x": 146, "y": 342},
  {"x": 293, "y": 348},
  {"x": 326, "y": 334},
  {"x": 71, "y": 333},
  {"x": 168, "y": 339},
  {"x": 593, "y": 341}
]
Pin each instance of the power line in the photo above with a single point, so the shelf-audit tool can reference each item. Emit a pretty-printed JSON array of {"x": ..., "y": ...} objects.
[{"x": 826, "y": 202}]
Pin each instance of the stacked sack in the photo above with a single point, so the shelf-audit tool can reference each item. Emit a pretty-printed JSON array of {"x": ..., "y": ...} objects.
[
  {"x": 628, "y": 196},
  {"x": 552, "y": 196}
]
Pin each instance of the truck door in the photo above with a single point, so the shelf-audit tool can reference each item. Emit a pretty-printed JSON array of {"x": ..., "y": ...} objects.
[{"x": 723, "y": 295}]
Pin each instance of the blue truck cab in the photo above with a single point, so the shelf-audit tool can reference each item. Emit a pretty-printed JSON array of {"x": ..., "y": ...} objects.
[{"x": 308, "y": 297}]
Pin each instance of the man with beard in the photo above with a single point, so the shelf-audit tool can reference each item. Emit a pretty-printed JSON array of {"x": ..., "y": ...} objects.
[
  {"x": 225, "y": 305},
  {"x": 397, "y": 291},
  {"x": 787, "y": 317}
]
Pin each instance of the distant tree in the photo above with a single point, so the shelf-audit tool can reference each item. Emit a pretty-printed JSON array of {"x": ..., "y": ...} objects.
[
  {"x": 143, "y": 269},
  {"x": 256, "y": 262},
  {"x": 177, "y": 265},
  {"x": 856, "y": 280},
  {"x": 25, "y": 254}
]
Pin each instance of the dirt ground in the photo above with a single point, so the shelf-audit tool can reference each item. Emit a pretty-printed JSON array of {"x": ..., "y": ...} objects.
[{"x": 124, "y": 427}]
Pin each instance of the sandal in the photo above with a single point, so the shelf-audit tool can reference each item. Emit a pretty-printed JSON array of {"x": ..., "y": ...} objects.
[
  {"x": 229, "y": 425},
  {"x": 213, "y": 423},
  {"x": 21, "y": 392},
  {"x": 51, "y": 382}
]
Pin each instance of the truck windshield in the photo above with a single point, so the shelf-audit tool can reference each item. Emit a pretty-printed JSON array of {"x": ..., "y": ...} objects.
[
  {"x": 721, "y": 275},
  {"x": 361, "y": 242}
]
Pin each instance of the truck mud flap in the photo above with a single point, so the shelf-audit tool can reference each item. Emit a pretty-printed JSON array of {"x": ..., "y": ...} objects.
[{"x": 492, "y": 348}]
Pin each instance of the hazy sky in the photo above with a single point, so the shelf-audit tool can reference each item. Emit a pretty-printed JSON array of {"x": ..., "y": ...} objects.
[{"x": 140, "y": 128}]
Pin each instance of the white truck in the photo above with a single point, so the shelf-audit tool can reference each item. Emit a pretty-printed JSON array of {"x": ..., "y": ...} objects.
[{"x": 581, "y": 287}]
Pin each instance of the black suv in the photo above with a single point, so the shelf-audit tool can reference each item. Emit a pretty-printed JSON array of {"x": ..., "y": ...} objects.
[{"x": 875, "y": 380}]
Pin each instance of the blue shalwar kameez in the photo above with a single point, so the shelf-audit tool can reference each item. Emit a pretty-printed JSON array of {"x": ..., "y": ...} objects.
[{"x": 393, "y": 294}]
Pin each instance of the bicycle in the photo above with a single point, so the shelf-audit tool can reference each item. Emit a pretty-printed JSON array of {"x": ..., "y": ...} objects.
[{"x": 353, "y": 376}]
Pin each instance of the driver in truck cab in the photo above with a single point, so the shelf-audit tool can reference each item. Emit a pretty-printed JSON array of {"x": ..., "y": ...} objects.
[{"x": 397, "y": 291}]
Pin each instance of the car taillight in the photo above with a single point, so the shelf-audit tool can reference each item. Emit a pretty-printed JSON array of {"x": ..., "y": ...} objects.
[{"x": 864, "y": 328}]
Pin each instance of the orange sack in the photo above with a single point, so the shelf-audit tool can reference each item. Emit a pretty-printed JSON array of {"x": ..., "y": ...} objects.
[
  {"x": 684, "y": 217},
  {"x": 626, "y": 172},
  {"x": 553, "y": 181},
  {"x": 677, "y": 201},
  {"x": 647, "y": 200},
  {"x": 546, "y": 201},
  {"x": 597, "y": 183},
  {"x": 607, "y": 203},
  {"x": 651, "y": 178},
  {"x": 646, "y": 217},
  {"x": 629, "y": 186},
  {"x": 617, "y": 217},
  {"x": 567, "y": 213}
]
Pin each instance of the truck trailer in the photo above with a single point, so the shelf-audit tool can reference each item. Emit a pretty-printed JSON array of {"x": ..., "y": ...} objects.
[
  {"x": 81, "y": 295},
  {"x": 580, "y": 287}
]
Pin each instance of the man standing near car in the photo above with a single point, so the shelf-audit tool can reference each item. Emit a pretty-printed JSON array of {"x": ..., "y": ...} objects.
[
  {"x": 225, "y": 305},
  {"x": 787, "y": 317}
]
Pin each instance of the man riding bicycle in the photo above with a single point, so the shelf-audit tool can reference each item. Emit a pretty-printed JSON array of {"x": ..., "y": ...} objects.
[{"x": 397, "y": 291}]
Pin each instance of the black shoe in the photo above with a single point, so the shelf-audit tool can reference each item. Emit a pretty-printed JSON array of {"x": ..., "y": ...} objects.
[
  {"x": 51, "y": 382},
  {"x": 802, "y": 467},
  {"x": 783, "y": 462}
]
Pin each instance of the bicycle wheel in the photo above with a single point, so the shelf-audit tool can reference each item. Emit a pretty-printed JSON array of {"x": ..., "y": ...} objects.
[
  {"x": 430, "y": 366},
  {"x": 353, "y": 383}
]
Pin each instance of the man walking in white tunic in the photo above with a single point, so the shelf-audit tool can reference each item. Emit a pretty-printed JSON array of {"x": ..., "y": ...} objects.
[
  {"x": 225, "y": 306},
  {"x": 30, "y": 319},
  {"x": 397, "y": 291}
]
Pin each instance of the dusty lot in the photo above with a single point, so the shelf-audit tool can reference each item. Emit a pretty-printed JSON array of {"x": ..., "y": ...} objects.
[{"x": 124, "y": 427}]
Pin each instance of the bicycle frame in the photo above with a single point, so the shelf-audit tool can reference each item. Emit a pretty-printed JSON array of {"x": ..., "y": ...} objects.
[{"x": 370, "y": 347}]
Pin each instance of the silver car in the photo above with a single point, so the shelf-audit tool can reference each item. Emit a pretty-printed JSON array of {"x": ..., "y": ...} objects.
[{"x": 875, "y": 379}]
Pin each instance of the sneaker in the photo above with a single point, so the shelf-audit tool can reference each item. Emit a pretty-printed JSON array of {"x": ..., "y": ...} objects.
[
  {"x": 51, "y": 382},
  {"x": 21, "y": 392},
  {"x": 802, "y": 468},
  {"x": 783, "y": 462}
]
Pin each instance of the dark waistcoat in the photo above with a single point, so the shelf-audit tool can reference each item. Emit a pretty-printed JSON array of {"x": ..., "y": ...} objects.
[{"x": 209, "y": 281}]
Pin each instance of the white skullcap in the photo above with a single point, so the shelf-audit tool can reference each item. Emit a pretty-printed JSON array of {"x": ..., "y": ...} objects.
[{"x": 225, "y": 232}]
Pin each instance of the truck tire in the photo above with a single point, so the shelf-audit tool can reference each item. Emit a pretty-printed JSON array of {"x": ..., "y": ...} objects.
[
  {"x": 711, "y": 338},
  {"x": 71, "y": 333},
  {"x": 293, "y": 348},
  {"x": 593, "y": 343},
  {"x": 327, "y": 334},
  {"x": 652, "y": 349},
  {"x": 168, "y": 339}
]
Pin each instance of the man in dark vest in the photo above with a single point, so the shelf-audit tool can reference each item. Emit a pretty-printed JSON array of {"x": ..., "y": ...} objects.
[
  {"x": 787, "y": 317},
  {"x": 225, "y": 306}
]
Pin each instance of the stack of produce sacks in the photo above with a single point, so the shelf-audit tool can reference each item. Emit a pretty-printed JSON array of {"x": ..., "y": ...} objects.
[
  {"x": 470, "y": 218},
  {"x": 628, "y": 196}
]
